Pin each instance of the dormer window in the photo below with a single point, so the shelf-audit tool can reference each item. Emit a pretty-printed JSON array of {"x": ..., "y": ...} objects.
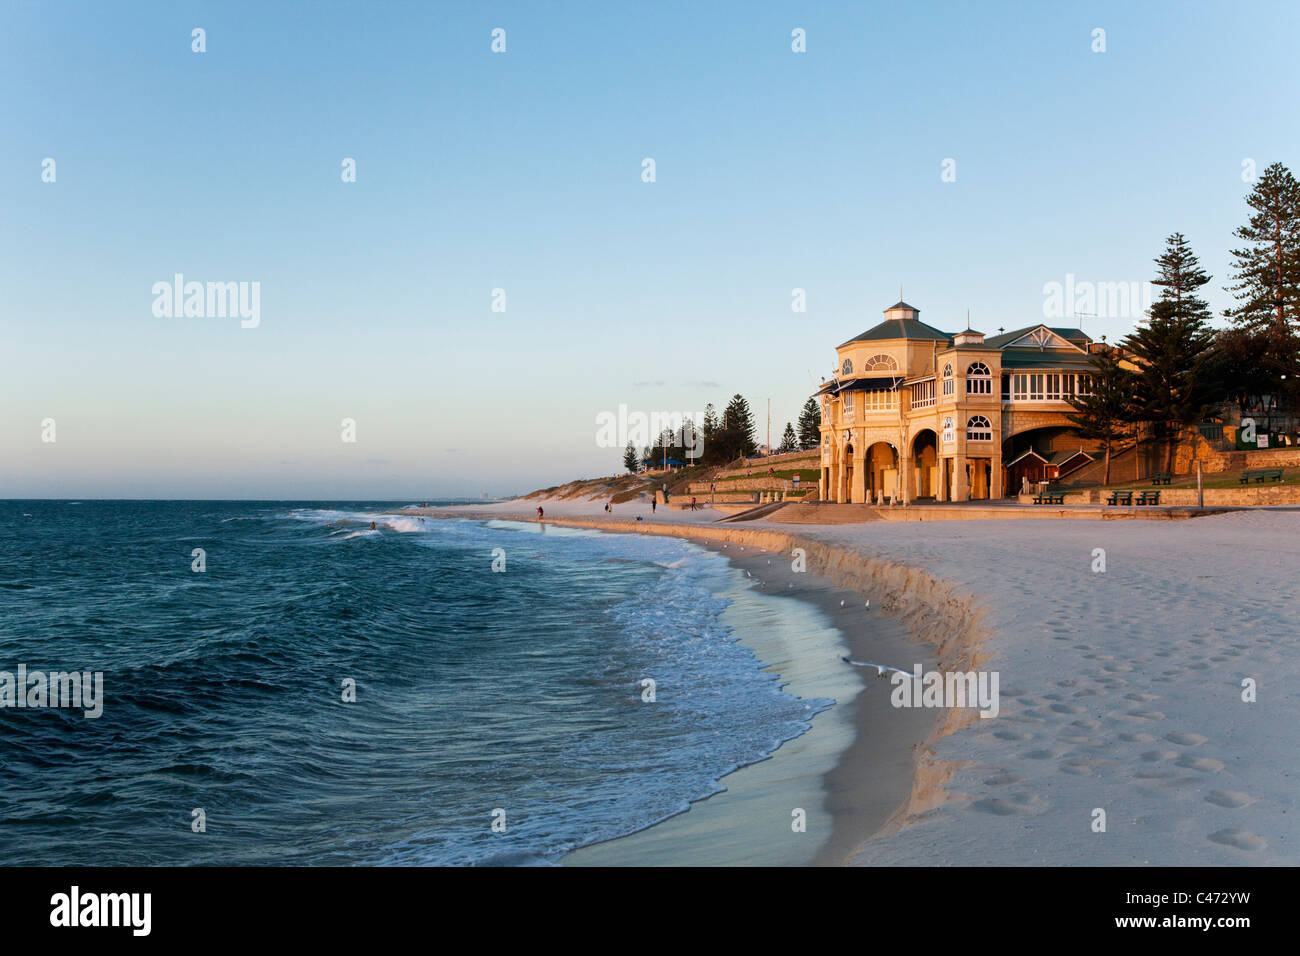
[{"x": 979, "y": 380}]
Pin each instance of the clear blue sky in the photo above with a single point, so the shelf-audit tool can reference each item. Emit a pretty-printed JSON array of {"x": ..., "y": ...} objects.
[{"x": 522, "y": 170}]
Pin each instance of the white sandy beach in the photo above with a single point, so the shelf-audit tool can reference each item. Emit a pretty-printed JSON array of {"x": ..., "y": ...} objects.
[{"x": 1121, "y": 690}]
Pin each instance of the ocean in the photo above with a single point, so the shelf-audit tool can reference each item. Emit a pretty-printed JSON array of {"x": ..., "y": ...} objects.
[{"x": 321, "y": 693}]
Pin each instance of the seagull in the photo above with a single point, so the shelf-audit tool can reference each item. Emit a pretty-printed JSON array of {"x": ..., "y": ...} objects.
[
  {"x": 880, "y": 668},
  {"x": 868, "y": 605},
  {"x": 841, "y": 604}
]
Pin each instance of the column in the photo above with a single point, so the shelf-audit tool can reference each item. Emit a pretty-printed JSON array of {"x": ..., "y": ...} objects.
[
  {"x": 996, "y": 491},
  {"x": 859, "y": 490},
  {"x": 961, "y": 487}
]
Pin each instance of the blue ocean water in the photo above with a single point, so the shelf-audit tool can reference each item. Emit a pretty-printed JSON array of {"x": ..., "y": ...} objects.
[{"x": 476, "y": 691}]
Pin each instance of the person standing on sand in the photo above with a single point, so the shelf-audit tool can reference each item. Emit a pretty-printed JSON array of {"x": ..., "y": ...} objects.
[
  {"x": 653, "y": 503},
  {"x": 539, "y": 512}
]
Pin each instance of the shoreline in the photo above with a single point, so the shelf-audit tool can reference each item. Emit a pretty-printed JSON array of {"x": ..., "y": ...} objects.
[{"x": 884, "y": 773}]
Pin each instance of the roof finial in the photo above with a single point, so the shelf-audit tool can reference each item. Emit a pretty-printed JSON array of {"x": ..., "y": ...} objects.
[{"x": 968, "y": 318}]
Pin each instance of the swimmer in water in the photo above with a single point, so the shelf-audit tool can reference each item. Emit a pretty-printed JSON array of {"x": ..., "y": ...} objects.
[{"x": 372, "y": 526}]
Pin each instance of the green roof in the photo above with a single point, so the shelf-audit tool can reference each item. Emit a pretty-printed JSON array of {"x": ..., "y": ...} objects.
[
  {"x": 900, "y": 329},
  {"x": 1047, "y": 358}
]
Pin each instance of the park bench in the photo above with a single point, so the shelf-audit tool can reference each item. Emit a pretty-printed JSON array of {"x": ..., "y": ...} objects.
[
  {"x": 1148, "y": 498},
  {"x": 1260, "y": 475},
  {"x": 1161, "y": 478},
  {"x": 1122, "y": 498},
  {"x": 1050, "y": 498}
]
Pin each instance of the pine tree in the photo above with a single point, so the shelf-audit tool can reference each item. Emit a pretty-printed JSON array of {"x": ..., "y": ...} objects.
[
  {"x": 738, "y": 428},
  {"x": 629, "y": 457},
  {"x": 1267, "y": 272},
  {"x": 788, "y": 440},
  {"x": 1174, "y": 384},
  {"x": 1250, "y": 365},
  {"x": 709, "y": 430},
  {"x": 1105, "y": 415},
  {"x": 690, "y": 438},
  {"x": 810, "y": 421}
]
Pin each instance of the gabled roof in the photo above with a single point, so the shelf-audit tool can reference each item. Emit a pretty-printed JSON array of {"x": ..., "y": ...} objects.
[
  {"x": 1075, "y": 337},
  {"x": 1061, "y": 457},
  {"x": 1025, "y": 454},
  {"x": 900, "y": 329}
]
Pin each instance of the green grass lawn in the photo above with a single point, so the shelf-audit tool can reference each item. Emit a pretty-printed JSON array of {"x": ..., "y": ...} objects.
[{"x": 805, "y": 474}]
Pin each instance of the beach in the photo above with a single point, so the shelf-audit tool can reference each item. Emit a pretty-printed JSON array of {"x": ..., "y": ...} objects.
[{"x": 1146, "y": 672}]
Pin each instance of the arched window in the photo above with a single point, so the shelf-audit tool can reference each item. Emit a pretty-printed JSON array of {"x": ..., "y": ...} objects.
[
  {"x": 979, "y": 380},
  {"x": 947, "y": 380},
  {"x": 979, "y": 429},
  {"x": 881, "y": 363},
  {"x": 847, "y": 367}
]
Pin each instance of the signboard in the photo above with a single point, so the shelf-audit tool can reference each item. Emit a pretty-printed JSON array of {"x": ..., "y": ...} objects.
[
  {"x": 949, "y": 432},
  {"x": 796, "y": 481},
  {"x": 1261, "y": 441}
]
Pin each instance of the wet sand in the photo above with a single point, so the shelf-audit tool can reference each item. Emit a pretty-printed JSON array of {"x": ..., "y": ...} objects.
[{"x": 850, "y": 775}]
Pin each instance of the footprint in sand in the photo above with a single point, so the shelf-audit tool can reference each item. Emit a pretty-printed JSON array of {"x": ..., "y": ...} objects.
[
  {"x": 1079, "y": 767},
  {"x": 1186, "y": 740},
  {"x": 1087, "y": 723},
  {"x": 1046, "y": 753},
  {"x": 1208, "y": 764},
  {"x": 1141, "y": 715},
  {"x": 1156, "y": 774},
  {"x": 1136, "y": 738},
  {"x": 1142, "y": 697},
  {"x": 1151, "y": 756},
  {"x": 1229, "y": 798},
  {"x": 1002, "y": 779},
  {"x": 1241, "y": 839},
  {"x": 1087, "y": 692},
  {"x": 1068, "y": 709},
  {"x": 1017, "y": 803},
  {"x": 1012, "y": 735}
]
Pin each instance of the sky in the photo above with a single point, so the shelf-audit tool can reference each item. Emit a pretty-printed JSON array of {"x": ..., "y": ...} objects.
[{"x": 970, "y": 154}]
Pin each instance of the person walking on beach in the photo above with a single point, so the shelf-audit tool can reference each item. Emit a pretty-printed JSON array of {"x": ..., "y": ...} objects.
[
  {"x": 694, "y": 506},
  {"x": 653, "y": 503},
  {"x": 539, "y": 513}
]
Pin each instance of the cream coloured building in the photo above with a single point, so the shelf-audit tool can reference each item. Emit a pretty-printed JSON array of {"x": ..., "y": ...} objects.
[{"x": 957, "y": 415}]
